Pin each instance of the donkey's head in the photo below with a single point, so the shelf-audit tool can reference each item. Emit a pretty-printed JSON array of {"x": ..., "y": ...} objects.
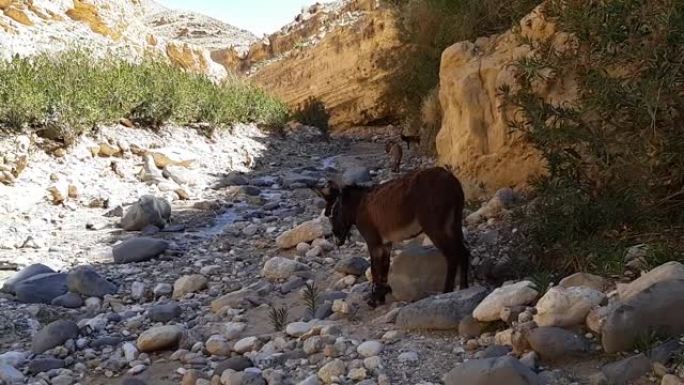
[{"x": 339, "y": 207}]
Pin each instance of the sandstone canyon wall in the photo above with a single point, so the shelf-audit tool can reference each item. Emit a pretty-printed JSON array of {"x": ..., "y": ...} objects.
[
  {"x": 343, "y": 54},
  {"x": 475, "y": 137}
]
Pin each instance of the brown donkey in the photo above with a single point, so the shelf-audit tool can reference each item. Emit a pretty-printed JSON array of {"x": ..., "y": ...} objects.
[
  {"x": 428, "y": 201},
  {"x": 395, "y": 154}
]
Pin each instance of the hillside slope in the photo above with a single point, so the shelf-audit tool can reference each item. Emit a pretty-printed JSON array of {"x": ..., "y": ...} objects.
[{"x": 128, "y": 28}]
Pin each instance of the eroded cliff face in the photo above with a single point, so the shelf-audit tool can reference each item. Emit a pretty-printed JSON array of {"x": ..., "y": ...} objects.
[
  {"x": 126, "y": 28},
  {"x": 343, "y": 54},
  {"x": 475, "y": 137}
]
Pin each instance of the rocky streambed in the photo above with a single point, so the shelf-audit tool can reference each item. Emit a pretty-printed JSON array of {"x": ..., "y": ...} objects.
[{"x": 175, "y": 257}]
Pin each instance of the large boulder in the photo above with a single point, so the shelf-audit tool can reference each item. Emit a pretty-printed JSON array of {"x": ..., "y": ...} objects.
[
  {"x": 86, "y": 281},
  {"x": 665, "y": 272},
  {"x": 515, "y": 294},
  {"x": 417, "y": 272},
  {"x": 444, "y": 311},
  {"x": 584, "y": 280},
  {"x": 23, "y": 274},
  {"x": 138, "y": 250},
  {"x": 553, "y": 343},
  {"x": 651, "y": 310},
  {"x": 474, "y": 136},
  {"x": 282, "y": 268},
  {"x": 626, "y": 370},
  {"x": 305, "y": 232},
  {"x": 148, "y": 210},
  {"x": 41, "y": 288},
  {"x": 491, "y": 371},
  {"x": 54, "y": 334},
  {"x": 159, "y": 338},
  {"x": 566, "y": 307}
]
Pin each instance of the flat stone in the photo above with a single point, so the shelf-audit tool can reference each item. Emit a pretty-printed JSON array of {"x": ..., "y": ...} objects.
[
  {"x": 138, "y": 250},
  {"x": 44, "y": 364},
  {"x": 41, "y": 288},
  {"x": 68, "y": 300},
  {"x": 553, "y": 343},
  {"x": 491, "y": 371},
  {"x": 444, "y": 311},
  {"x": 24, "y": 274},
  {"x": 164, "y": 312},
  {"x": 88, "y": 282},
  {"x": 627, "y": 370},
  {"x": 54, "y": 334},
  {"x": 159, "y": 338}
]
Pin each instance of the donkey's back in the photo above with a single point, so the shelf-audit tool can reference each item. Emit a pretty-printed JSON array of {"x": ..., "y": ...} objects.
[{"x": 424, "y": 200}]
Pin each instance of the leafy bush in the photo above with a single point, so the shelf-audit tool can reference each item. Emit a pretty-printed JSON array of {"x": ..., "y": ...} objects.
[
  {"x": 616, "y": 158},
  {"x": 78, "y": 91},
  {"x": 313, "y": 113}
]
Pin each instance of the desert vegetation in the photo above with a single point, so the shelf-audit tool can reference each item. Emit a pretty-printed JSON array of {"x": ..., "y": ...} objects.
[
  {"x": 616, "y": 157},
  {"x": 75, "y": 91}
]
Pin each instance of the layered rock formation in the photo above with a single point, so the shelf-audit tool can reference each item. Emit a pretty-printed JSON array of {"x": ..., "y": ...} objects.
[
  {"x": 343, "y": 54},
  {"x": 475, "y": 137},
  {"x": 128, "y": 28}
]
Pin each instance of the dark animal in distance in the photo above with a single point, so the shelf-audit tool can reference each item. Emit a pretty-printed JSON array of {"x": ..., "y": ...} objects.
[
  {"x": 395, "y": 154},
  {"x": 427, "y": 201},
  {"x": 408, "y": 139}
]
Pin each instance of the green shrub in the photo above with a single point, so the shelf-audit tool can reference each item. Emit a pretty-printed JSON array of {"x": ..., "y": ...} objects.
[
  {"x": 79, "y": 91},
  {"x": 616, "y": 159},
  {"x": 313, "y": 113}
]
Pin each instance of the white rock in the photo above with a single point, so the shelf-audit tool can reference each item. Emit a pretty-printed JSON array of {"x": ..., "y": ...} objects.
[
  {"x": 11, "y": 376},
  {"x": 246, "y": 344},
  {"x": 218, "y": 345},
  {"x": 233, "y": 329},
  {"x": 516, "y": 294},
  {"x": 332, "y": 371},
  {"x": 305, "y": 232},
  {"x": 665, "y": 272},
  {"x": 14, "y": 359},
  {"x": 189, "y": 284},
  {"x": 341, "y": 306},
  {"x": 357, "y": 374},
  {"x": 566, "y": 307},
  {"x": 130, "y": 352},
  {"x": 137, "y": 290},
  {"x": 408, "y": 357},
  {"x": 281, "y": 268},
  {"x": 370, "y": 348},
  {"x": 373, "y": 363},
  {"x": 298, "y": 329}
]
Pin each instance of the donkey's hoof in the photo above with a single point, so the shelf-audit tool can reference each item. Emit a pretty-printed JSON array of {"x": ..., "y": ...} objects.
[{"x": 372, "y": 303}]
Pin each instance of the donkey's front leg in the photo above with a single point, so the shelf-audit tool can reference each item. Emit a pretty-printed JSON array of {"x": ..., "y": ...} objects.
[{"x": 380, "y": 261}]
